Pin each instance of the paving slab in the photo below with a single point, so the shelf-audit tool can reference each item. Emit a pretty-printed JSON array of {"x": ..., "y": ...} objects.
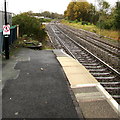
[
  {"x": 76, "y": 73},
  {"x": 99, "y": 109}
]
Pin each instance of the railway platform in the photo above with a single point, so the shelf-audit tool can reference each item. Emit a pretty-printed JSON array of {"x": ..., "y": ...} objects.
[{"x": 51, "y": 84}]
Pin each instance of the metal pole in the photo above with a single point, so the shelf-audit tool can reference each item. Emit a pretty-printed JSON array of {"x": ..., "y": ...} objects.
[
  {"x": 5, "y": 13},
  {"x": 6, "y": 37}
]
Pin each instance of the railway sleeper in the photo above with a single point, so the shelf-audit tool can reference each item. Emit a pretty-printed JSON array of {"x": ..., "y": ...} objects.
[
  {"x": 94, "y": 67},
  {"x": 91, "y": 64},
  {"x": 83, "y": 57},
  {"x": 116, "y": 96},
  {"x": 96, "y": 76},
  {"x": 105, "y": 78},
  {"x": 110, "y": 83},
  {"x": 113, "y": 88},
  {"x": 87, "y": 61},
  {"x": 98, "y": 70},
  {"x": 101, "y": 74}
]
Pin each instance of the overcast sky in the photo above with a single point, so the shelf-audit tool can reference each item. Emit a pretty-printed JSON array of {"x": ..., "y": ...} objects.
[{"x": 59, "y": 6}]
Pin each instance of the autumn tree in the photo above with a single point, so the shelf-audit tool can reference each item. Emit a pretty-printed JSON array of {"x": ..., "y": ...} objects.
[
  {"x": 80, "y": 10},
  {"x": 70, "y": 14}
]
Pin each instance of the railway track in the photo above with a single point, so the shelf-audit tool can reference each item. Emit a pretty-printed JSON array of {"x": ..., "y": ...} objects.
[
  {"x": 107, "y": 52},
  {"x": 105, "y": 74},
  {"x": 114, "y": 50}
]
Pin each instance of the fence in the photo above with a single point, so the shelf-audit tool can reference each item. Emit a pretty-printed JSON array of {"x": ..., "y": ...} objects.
[{"x": 12, "y": 37}]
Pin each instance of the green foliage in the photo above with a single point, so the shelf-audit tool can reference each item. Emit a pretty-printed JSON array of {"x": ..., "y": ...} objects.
[
  {"x": 46, "y": 14},
  {"x": 75, "y": 21},
  {"x": 69, "y": 13},
  {"x": 110, "y": 21},
  {"x": 51, "y": 15},
  {"x": 108, "y": 24},
  {"x": 116, "y": 16},
  {"x": 104, "y": 17},
  {"x": 84, "y": 23},
  {"x": 103, "y": 6},
  {"x": 45, "y": 20},
  {"x": 81, "y": 11},
  {"x": 30, "y": 26}
]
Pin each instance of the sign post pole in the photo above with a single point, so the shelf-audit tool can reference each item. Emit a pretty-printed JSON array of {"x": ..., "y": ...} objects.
[{"x": 6, "y": 37}]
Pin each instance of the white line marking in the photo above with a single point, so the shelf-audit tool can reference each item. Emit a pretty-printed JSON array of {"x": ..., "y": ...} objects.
[{"x": 85, "y": 85}]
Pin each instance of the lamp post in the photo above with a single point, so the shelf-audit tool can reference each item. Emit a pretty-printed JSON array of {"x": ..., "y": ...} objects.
[{"x": 6, "y": 37}]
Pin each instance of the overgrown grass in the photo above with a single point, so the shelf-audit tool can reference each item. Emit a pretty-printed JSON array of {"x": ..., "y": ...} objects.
[
  {"x": 92, "y": 28},
  {"x": 46, "y": 44}
]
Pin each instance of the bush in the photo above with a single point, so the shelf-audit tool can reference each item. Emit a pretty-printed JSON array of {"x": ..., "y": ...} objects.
[
  {"x": 107, "y": 24},
  {"x": 84, "y": 23},
  {"x": 30, "y": 26},
  {"x": 45, "y": 20}
]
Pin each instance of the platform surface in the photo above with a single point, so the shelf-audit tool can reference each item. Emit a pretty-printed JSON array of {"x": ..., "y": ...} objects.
[
  {"x": 38, "y": 90},
  {"x": 51, "y": 84}
]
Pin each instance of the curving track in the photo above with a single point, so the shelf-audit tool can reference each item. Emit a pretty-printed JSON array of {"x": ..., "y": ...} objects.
[{"x": 76, "y": 44}]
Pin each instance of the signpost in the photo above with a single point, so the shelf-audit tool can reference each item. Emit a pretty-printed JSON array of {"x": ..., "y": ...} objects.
[{"x": 6, "y": 33}]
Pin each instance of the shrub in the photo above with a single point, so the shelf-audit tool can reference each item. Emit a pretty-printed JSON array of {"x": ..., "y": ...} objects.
[
  {"x": 107, "y": 24},
  {"x": 30, "y": 26},
  {"x": 84, "y": 23}
]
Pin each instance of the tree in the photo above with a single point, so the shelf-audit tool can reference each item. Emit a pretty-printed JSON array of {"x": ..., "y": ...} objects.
[
  {"x": 105, "y": 21},
  {"x": 104, "y": 9},
  {"x": 103, "y": 6},
  {"x": 46, "y": 14},
  {"x": 93, "y": 15},
  {"x": 82, "y": 10},
  {"x": 70, "y": 11},
  {"x": 78, "y": 10},
  {"x": 117, "y": 16}
]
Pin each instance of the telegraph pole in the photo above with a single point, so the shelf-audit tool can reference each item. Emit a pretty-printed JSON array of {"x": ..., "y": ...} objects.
[{"x": 6, "y": 37}]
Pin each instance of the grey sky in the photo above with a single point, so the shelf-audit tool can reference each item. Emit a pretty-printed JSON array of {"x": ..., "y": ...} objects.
[{"x": 59, "y": 6}]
